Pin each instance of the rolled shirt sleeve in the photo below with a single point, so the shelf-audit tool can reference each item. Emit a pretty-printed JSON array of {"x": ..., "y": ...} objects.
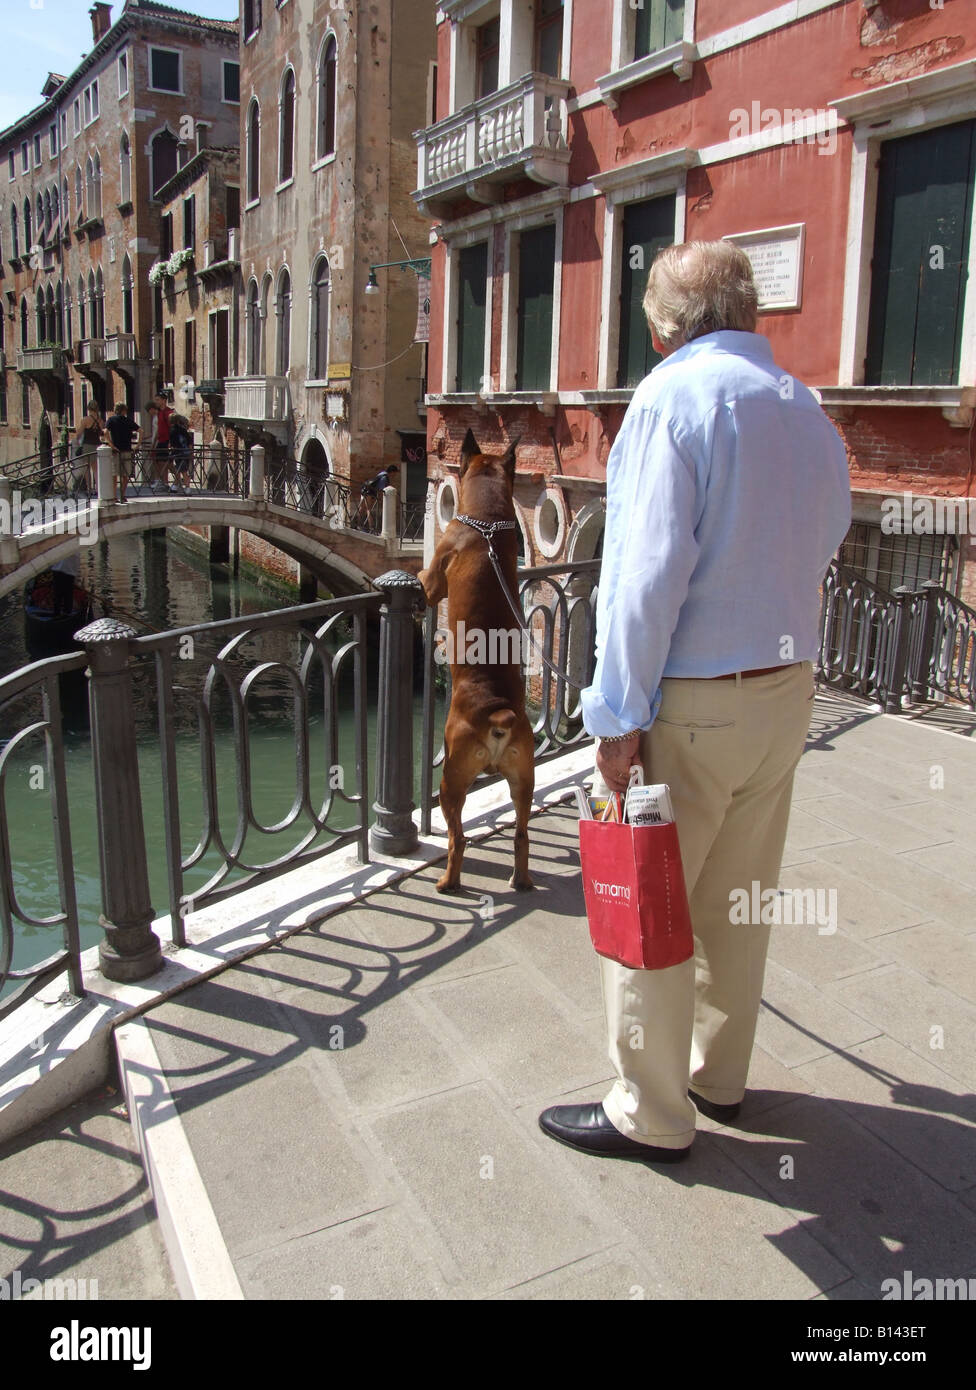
[{"x": 654, "y": 503}]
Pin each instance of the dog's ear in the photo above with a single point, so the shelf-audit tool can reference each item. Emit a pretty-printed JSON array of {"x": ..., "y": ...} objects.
[
  {"x": 508, "y": 461},
  {"x": 469, "y": 450}
]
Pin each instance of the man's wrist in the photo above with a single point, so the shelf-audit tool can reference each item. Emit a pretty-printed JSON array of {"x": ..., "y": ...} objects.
[{"x": 620, "y": 738}]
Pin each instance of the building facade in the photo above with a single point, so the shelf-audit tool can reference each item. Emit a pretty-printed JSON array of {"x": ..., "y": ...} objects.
[
  {"x": 574, "y": 138},
  {"x": 80, "y": 213},
  {"x": 330, "y": 379}
]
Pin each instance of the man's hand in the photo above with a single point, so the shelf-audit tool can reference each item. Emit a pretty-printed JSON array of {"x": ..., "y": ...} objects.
[{"x": 614, "y": 761}]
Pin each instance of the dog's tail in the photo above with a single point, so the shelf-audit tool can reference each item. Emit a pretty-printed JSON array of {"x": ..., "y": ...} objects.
[{"x": 500, "y": 726}]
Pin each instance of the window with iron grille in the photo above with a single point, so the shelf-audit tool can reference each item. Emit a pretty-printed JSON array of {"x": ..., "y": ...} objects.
[{"x": 892, "y": 561}]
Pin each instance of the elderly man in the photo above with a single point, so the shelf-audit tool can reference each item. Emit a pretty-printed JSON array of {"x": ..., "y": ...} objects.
[{"x": 727, "y": 495}]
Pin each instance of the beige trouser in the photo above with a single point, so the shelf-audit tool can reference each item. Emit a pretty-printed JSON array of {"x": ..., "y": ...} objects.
[{"x": 728, "y": 750}]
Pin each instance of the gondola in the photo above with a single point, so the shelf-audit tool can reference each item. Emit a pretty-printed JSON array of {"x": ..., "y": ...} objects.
[{"x": 46, "y": 630}]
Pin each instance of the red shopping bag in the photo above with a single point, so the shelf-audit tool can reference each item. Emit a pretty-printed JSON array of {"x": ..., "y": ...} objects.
[{"x": 634, "y": 888}]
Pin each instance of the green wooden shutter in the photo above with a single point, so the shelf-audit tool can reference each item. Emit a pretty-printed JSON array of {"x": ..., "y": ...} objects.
[
  {"x": 472, "y": 303},
  {"x": 537, "y": 270},
  {"x": 659, "y": 24},
  {"x": 921, "y": 252},
  {"x": 647, "y": 227}
]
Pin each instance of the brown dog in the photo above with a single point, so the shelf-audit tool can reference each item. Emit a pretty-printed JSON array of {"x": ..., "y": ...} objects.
[{"x": 487, "y": 729}]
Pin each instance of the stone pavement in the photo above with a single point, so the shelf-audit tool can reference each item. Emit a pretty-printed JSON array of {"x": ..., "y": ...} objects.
[{"x": 361, "y": 1100}]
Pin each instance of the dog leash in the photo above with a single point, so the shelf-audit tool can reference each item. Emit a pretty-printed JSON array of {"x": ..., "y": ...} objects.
[{"x": 488, "y": 530}]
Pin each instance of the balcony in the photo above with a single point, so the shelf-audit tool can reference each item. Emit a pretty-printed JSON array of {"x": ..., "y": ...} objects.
[
  {"x": 90, "y": 356},
  {"x": 519, "y": 132},
  {"x": 40, "y": 361},
  {"x": 120, "y": 349},
  {"x": 263, "y": 402}
]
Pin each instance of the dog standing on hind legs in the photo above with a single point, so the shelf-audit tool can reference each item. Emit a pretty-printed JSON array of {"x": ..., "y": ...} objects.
[{"x": 487, "y": 729}]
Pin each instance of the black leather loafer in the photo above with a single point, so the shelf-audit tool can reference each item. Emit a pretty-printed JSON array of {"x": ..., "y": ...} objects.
[
  {"x": 722, "y": 1114},
  {"x": 589, "y": 1129}
]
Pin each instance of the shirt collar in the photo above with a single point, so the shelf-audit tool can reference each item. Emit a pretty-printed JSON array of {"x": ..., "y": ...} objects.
[{"x": 727, "y": 340}]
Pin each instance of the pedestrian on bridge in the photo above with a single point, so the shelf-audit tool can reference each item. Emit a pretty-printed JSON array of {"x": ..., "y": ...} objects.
[
  {"x": 121, "y": 431},
  {"x": 88, "y": 436}
]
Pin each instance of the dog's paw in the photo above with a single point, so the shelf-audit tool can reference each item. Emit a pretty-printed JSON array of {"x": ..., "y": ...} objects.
[{"x": 445, "y": 885}]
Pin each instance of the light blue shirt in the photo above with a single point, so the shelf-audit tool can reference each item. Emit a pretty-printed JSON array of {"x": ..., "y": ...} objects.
[{"x": 728, "y": 494}]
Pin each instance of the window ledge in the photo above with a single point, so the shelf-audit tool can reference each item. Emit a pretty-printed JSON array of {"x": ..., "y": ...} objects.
[
  {"x": 957, "y": 403},
  {"x": 545, "y": 400},
  {"x": 254, "y": 203},
  {"x": 677, "y": 58},
  {"x": 324, "y": 161},
  {"x": 286, "y": 183},
  {"x": 124, "y": 208}
]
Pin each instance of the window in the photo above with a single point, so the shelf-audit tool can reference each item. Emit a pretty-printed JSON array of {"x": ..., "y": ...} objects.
[
  {"x": 283, "y": 315},
  {"x": 127, "y": 295},
  {"x": 14, "y": 242},
  {"x": 169, "y": 354},
  {"x": 79, "y": 195},
  {"x": 65, "y": 200},
  {"x": 24, "y": 157},
  {"x": 326, "y": 124},
  {"x": 88, "y": 106},
  {"x": 253, "y": 152},
  {"x": 549, "y": 36},
  {"x": 164, "y": 70},
  {"x": 94, "y": 98},
  {"x": 232, "y": 81},
  {"x": 537, "y": 267},
  {"x": 189, "y": 223},
  {"x": 163, "y": 159},
  {"x": 232, "y": 206},
  {"x": 252, "y": 17},
  {"x": 921, "y": 253},
  {"x": 489, "y": 36},
  {"x": 166, "y": 236},
  {"x": 25, "y": 414},
  {"x": 64, "y": 128},
  {"x": 40, "y": 331},
  {"x": 647, "y": 227},
  {"x": 94, "y": 187},
  {"x": 123, "y": 71},
  {"x": 77, "y": 114},
  {"x": 24, "y": 322},
  {"x": 660, "y": 23},
  {"x": 3, "y": 397},
  {"x": 37, "y": 151},
  {"x": 190, "y": 349},
  {"x": 220, "y": 343},
  {"x": 253, "y": 364},
  {"x": 82, "y": 309},
  {"x": 125, "y": 170},
  {"x": 52, "y": 139},
  {"x": 67, "y": 316},
  {"x": 286, "y": 128},
  {"x": 472, "y": 316},
  {"x": 28, "y": 227},
  {"x": 12, "y": 164},
  {"x": 321, "y": 296}
]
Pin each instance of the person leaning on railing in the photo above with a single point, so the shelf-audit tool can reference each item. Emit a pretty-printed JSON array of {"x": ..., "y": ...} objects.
[
  {"x": 728, "y": 493},
  {"x": 88, "y": 436}
]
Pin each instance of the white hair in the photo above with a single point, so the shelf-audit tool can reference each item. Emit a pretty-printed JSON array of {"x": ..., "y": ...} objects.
[{"x": 700, "y": 287}]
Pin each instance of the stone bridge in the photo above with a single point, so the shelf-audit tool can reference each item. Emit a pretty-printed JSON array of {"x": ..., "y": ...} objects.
[{"x": 344, "y": 560}]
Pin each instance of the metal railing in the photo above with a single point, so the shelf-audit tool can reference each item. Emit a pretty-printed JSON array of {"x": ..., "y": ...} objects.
[
  {"x": 38, "y": 684},
  {"x": 559, "y": 608}
]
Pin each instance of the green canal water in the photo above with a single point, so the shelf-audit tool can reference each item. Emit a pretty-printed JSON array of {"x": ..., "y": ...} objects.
[{"x": 157, "y": 584}]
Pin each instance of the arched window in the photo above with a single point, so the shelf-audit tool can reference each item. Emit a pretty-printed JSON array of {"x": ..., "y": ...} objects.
[
  {"x": 24, "y": 321},
  {"x": 65, "y": 200},
  {"x": 163, "y": 159},
  {"x": 265, "y": 298},
  {"x": 125, "y": 170},
  {"x": 56, "y": 204},
  {"x": 82, "y": 318},
  {"x": 67, "y": 314},
  {"x": 59, "y": 316},
  {"x": 286, "y": 127},
  {"x": 92, "y": 310},
  {"x": 94, "y": 186},
  {"x": 43, "y": 214},
  {"x": 14, "y": 239},
  {"x": 253, "y": 152},
  {"x": 326, "y": 123},
  {"x": 319, "y": 320},
  {"x": 28, "y": 227},
  {"x": 79, "y": 195},
  {"x": 98, "y": 184},
  {"x": 39, "y": 218},
  {"x": 126, "y": 295},
  {"x": 99, "y": 321},
  {"x": 51, "y": 328},
  {"x": 283, "y": 315},
  {"x": 40, "y": 320},
  {"x": 252, "y": 363}
]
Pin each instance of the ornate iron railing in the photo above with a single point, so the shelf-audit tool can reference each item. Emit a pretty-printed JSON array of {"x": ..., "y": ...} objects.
[{"x": 38, "y": 684}]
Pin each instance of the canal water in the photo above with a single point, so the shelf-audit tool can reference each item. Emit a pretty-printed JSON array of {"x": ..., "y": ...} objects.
[{"x": 157, "y": 584}]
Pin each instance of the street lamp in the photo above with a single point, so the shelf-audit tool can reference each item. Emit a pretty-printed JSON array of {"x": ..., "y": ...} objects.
[{"x": 420, "y": 267}]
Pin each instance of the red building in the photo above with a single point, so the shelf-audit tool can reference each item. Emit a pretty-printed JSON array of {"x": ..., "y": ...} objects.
[{"x": 574, "y": 138}]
